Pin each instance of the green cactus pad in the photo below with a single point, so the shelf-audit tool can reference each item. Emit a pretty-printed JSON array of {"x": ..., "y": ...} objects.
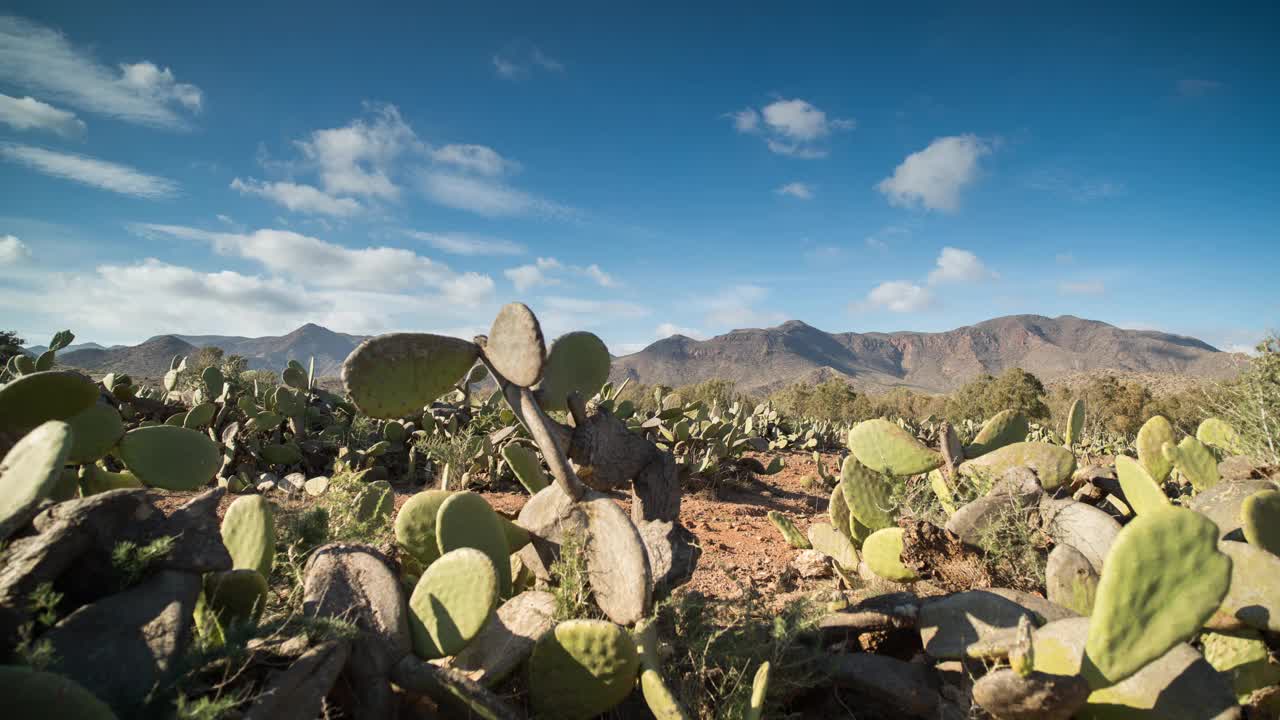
[
  {"x": 788, "y": 530},
  {"x": 516, "y": 536},
  {"x": 1004, "y": 428},
  {"x": 888, "y": 449},
  {"x": 1141, "y": 491},
  {"x": 33, "y": 695},
  {"x": 577, "y": 361},
  {"x": 395, "y": 375},
  {"x": 452, "y": 601},
  {"x": 1260, "y": 518},
  {"x": 294, "y": 377},
  {"x": 868, "y": 494},
  {"x": 200, "y": 416},
  {"x": 1195, "y": 461},
  {"x": 465, "y": 520},
  {"x": 527, "y": 467},
  {"x": 94, "y": 431},
  {"x": 249, "y": 532},
  {"x": 515, "y": 346},
  {"x": 282, "y": 453},
  {"x": 1052, "y": 464},
  {"x": 170, "y": 457},
  {"x": 375, "y": 501},
  {"x": 943, "y": 491},
  {"x": 1152, "y": 436},
  {"x": 662, "y": 702},
  {"x": 581, "y": 669},
  {"x": 1075, "y": 423},
  {"x": 838, "y": 511},
  {"x": 1244, "y": 657},
  {"x": 1218, "y": 434},
  {"x": 1163, "y": 578},
  {"x": 94, "y": 480},
  {"x": 759, "y": 692},
  {"x": 834, "y": 544},
  {"x": 882, "y": 552},
  {"x": 30, "y": 471},
  {"x": 42, "y": 396},
  {"x": 235, "y": 596},
  {"x": 212, "y": 380},
  {"x": 415, "y": 525}
]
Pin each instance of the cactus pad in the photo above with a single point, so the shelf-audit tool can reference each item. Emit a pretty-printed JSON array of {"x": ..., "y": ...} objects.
[
  {"x": 200, "y": 416},
  {"x": 452, "y": 601},
  {"x": 661, "y": 701},
  {"x": 249, "y": 532},
  {"x": 1152, "y": 436},
  {"x": 526, "y": 466},
  {"x": 94, "y": 431},
  {"x": 1163, "y": 578},
  {"x": 1004, "y": 428},
  {"x": 1052, "y": 464},
  {"x": 30, "y": 694},
  {"x": 788, "y": 530},
  {"x": 515, "y": 347},
  {"x": 882, "y": 552},
  {"x": 581, "y": 669},
  {"x": 171, "y": 458},
  {"x": 30, "y": 471},
  {"x": 1142, "y": 491},
  {"x": 887, "y": 448},
  {"x": 42, "y": 396},
  {"x": 1218, "y": 434},
  {"x": 1260, "y": 517},
  {"x": 465, "y": 520},
  {"x": 1075, "y": 423},
  {"x": 415, "y": 525},
  {"x": 395, "y": 375},
  {"x": 834, "y": 544},
  {"x": 1243, "y": 656},
  {"x": 577, "y": 361},
  {"x": 1195, "y": 461},
  {"x": 868, "y": 494},
  {"x": 235, "y": 596},
  {"x": 838, "y": 511},
  {"x": 759, "y": 692},
  {"x": 94, "y": 480},
  {"x": 375, "y": 501}
]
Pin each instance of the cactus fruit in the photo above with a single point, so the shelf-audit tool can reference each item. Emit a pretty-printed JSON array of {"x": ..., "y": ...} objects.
[
  {"x": 465, "y": 520},
  {"x": 1004, "y": 428},
  {"x": 249, "y": 532},
  {"x": 1141, "y": 490},
  {"x": 235, "y": 596},
  {"x": 30, "y": 400},
  {"x": 1052, "y": 464},
  {"x": 1152, "y": 436},
  {"x": 395, "y": 375},
  {"x": 169, "y": 457},
  {"x": 515, "y": 346},
  {"x": 788, "y": 530},
  {"x": 581, "y": 669},
  {"x": 1244, "y": 657},
  {"x": 415, "y": 525},
  {"x": 35, "y": 695},
  {"x": 577, "y": 361},
  {"x": 834, "y": 544},
  {"x": 1195, "y": 461},
  {"x": 1075, "y": 423},
  {"x": 30, "y": 471},
  {"x": 759, "y": 692},
  {"x": 882, "y": 552},
  {"x": 888, "y": 449},
  {"x": 526, "y": 466},
  {"x": 661, "y": 701},
  {"x": 94, "y": 431},
  {"x": 868, "y": 494},
  {"x": 451, "y": 602},
  {"x": 1260, "y": 518},
  {"x": 1163, "y": 578},
  {"x": 1219, "y": 435}
]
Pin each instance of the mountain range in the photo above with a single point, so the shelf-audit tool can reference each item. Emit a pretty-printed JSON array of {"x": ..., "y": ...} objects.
[{"x": 764, "y": 359}]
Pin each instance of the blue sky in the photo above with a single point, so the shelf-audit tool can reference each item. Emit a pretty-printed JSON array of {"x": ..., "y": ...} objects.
[{"x": 638, "y": 171}]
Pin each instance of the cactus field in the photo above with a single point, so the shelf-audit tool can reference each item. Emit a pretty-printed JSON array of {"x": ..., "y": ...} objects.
[{"x": 490, "y": 528}]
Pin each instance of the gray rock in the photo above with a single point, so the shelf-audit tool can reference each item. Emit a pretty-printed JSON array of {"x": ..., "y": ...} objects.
[
  {"x": 811, "y": 564},
  {"x": 1254, "y": 598},
  {"x": 452, "y": 690},
  {"x": 910, "y": 689},
  {"x": 951, "y": 623},
  {"x": 120, "y": 647},
  {"x": 317, "y": 486},
  {"x": 198, "y": 544},
  {"x": 1222, "y": 502},
  {"x": 507, "y": 640},
  {"x": 1083, "y": 527},
  {"x": 298, "y": 693},
  {"x": 1039, "y": 696},
  {"x": 888, "y": 611},
  {"x": 1070, "y": 580},
  {"x": 293, "y": 483},
  {"x": 673, "y": 554},
  {"x": 1042, "y": 611},
  {"x": 971, "y": 519},
  {"x": 1238, "y": 467}
]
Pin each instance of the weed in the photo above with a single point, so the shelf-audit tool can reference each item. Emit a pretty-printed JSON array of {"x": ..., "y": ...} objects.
[
  {"x": 131, "y": 562},
  {"x": 43, "y": 605},
  {"x": 569, "y": 579},
  {"x": 1013, "y": 548}
]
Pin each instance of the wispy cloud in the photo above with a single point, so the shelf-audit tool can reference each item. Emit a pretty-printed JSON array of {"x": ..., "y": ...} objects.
[
  {"x": 1197, "y": 87},
  {"x": 42, "y": 60},
  {"x": 358, "y": 158},
  {"x": 12, "y": 250},
  {"x": 467, "y": 244},
  {"x": 932, "y": 178},
  {"x": 881, "y": 239},
  {"x": 736, "y": 306},
  {"x": 483, "y": 196},
  {"x": 666, "y": 329},
  {"x": 475, "y": 158},
  {"x": 549, "y": 271},
  {"x": 89, "y": 171},
  {"x": 30, "y": 114},
  {"x": 522, "y": 61},
  {"x": 298, "y": 198},
  {"x": 799, "y": 190},
  {"x": 790, "y": 127},
  {"x": 1071, "y": 185}
]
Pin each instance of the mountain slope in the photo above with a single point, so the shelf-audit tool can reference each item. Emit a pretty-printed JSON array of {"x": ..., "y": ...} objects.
[
  {"x": 764, "y": 359},
  {"x": 149, "y": 360}
]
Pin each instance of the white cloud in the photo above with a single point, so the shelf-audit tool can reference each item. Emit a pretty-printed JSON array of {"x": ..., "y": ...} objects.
[
  {"x": 90, "y": 171},
  {"x": 506, "y": 68},
  {"x": 516, "y": 64},
  {"x": 595, "y": 308},
  {"x": 735, "y": 307},
  {"x": 357, "y": 159},
  {"x": 1070, "y": 184},
  {"x": 602, "y": 278},
  {"x": 467, "y": 244},
  {"x": 955, "y": 265},
  {"x": 933, "y": 178},
  {"x": 482, "y": 196},
  {"x": 475, "y": 158},
  {"x": 666, "y": 330},
  {"x": 790, "y": 127},
  {"x": 884, "y": 237},
  {"x": 796, "y": 190},
  {"x": 12, "y": 250},
  {"x": 546, "y": 62},
  {"x": 899, "y": 296},
  {"x": 298, "y": 198},
  {"x": 543, "y": 272},
  {"x": 42, "y": 60},
  {"x": 1084, "y": 287},
  {"x": 30, "y": 114}
]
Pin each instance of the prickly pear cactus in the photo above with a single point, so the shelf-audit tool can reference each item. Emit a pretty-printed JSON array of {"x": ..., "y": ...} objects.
[
  {"x": 249, "y": 532},
  {"x": 36, "y": 398},
  {"x": 1163, "y": 578},
  {"x": 30, "y": 471},
  {"x": 515, "y": 346},
  {"x": 375, "y": 501},
  {"x": 172, "y": 458},
  {"x": 577, "y": 361},
  {"x": 29, "y": 694},
  {"x": 1052, "y": 464},
  {"x": 1244, "y": 657},
  {"x": 94, "y": 480},
  {"x": 759, "y": 692},
  {"x": 1004, "y": 428},
  {"x": 526, "y": 466},
  {"x": 662, "y": 702},
  {"x": 838, "y": 510},
  {"x": 1219, "y": 435},
  {"x": 943, "y": 491},
  {"x": 465, "y": 520},
  {"x": 1195, "y": 461},
  {"x": 395, "y": 375},
  {"x": 868, "y": 494},
  {"x": 886, "y": 448},
  {"x": 415, "y": 525},
  {"x": 1260, "y": 515},
  {"x": 1075, "y": 423},
  {"x": 581, "y": 669},
  {"x": 235, "y": 596},
  {"x": 451, "y": 602},
  {"x": 835, "y": 545},
  {"x": 882, "y": 552},
  {"x": 1152, "y": 436},
  {"x": 788, "y": 530},
  {"x": 1140, "y": 489},
  {"x": 94, "y": 431}
]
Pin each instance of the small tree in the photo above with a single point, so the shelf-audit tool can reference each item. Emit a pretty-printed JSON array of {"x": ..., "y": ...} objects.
[{"x": 10, "y": 345}]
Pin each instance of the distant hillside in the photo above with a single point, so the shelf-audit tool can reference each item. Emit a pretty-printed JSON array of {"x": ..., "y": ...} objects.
[
  {"x": 760, "y": 360},
  {"x": 35, "y": 350},
  {"x": 150, "y": 359}
]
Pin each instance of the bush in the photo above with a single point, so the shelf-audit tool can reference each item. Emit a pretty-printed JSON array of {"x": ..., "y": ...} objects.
[
  {"x": 1251, "y": 403},
  {"x": 833, "y": 400},
  {"x": 1014, "y": 389}
]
